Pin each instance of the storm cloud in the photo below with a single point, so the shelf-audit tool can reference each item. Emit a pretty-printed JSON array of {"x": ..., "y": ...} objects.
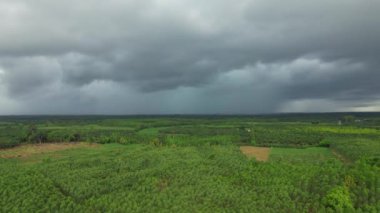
[{"x": 167, "y": 56}]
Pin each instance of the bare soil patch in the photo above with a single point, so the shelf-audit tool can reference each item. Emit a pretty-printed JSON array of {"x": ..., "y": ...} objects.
[
  {"x": 27, "y": 150},
  {"x": 260, "y": 153}
]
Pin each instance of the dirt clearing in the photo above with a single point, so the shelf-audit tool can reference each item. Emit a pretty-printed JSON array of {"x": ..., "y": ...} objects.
[
  {"x": 260, "y": 153},
  {"x": 27, "y": 150}
]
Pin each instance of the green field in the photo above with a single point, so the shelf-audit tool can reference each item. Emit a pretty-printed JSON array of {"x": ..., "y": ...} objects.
[
  {"x": 189, "y": 164},
  {"x": 301, "y": 155}
]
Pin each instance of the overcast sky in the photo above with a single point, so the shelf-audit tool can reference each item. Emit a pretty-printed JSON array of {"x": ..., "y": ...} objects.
[{"x": 189, "y": 56}]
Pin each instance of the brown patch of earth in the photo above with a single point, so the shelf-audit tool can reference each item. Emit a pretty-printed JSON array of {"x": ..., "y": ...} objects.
[
  {"x": 260, "y": 153},
  {"x": 27, "y": 150}
]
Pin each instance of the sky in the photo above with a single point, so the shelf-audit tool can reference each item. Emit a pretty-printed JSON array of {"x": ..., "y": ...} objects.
[{"x": 189, "y": 56}]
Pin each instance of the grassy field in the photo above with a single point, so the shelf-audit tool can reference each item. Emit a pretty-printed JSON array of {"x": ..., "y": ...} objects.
[
  {"x": 292, "y": 163},
  {"x": 301, "y": 155},
  {"x": 142, "y": 178}
]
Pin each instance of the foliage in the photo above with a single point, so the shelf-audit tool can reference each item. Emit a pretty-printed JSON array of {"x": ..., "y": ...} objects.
[
  {"x": 193, "y": 164},
  {"x": 338, "y": 199},
  {"x": 355, "y": 149}
]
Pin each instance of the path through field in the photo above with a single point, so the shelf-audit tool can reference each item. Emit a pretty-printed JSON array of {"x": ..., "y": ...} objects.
[
  {"x": 30, "y": 149},
  {"x": 260, "y": 153},
  {"x": 340, "y": 156}
]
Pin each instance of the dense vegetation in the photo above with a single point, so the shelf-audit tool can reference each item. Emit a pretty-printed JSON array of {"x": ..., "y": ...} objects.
[{"x": 193, "y": 164}]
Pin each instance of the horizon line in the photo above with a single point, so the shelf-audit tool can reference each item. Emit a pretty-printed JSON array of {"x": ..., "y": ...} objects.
[{"x": 192, "y": 114}]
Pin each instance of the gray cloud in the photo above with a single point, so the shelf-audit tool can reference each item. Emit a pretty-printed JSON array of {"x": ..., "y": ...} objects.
[{"x": 188, "y": 56}]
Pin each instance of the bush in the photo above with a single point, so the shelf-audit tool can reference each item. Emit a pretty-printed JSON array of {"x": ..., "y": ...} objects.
[{"x": 338, "y": 199}]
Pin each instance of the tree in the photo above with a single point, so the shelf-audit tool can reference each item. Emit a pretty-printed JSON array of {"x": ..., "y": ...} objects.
[
  {"x": 338, "y": 199},
  {"x": 348, "y": 118},
  {"x": 31, "y": 132}
]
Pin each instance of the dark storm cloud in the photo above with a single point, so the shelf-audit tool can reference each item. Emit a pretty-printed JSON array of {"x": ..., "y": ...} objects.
[
  {"x": 24, "y": 75},
  {"x": 215, "y": 56}
]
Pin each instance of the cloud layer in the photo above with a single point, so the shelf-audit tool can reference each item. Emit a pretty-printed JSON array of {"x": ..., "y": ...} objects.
[{"x": 167, "y": 56}]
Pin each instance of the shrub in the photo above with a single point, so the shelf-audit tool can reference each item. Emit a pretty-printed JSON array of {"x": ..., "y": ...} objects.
[{"x": 338, "y": 199}]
